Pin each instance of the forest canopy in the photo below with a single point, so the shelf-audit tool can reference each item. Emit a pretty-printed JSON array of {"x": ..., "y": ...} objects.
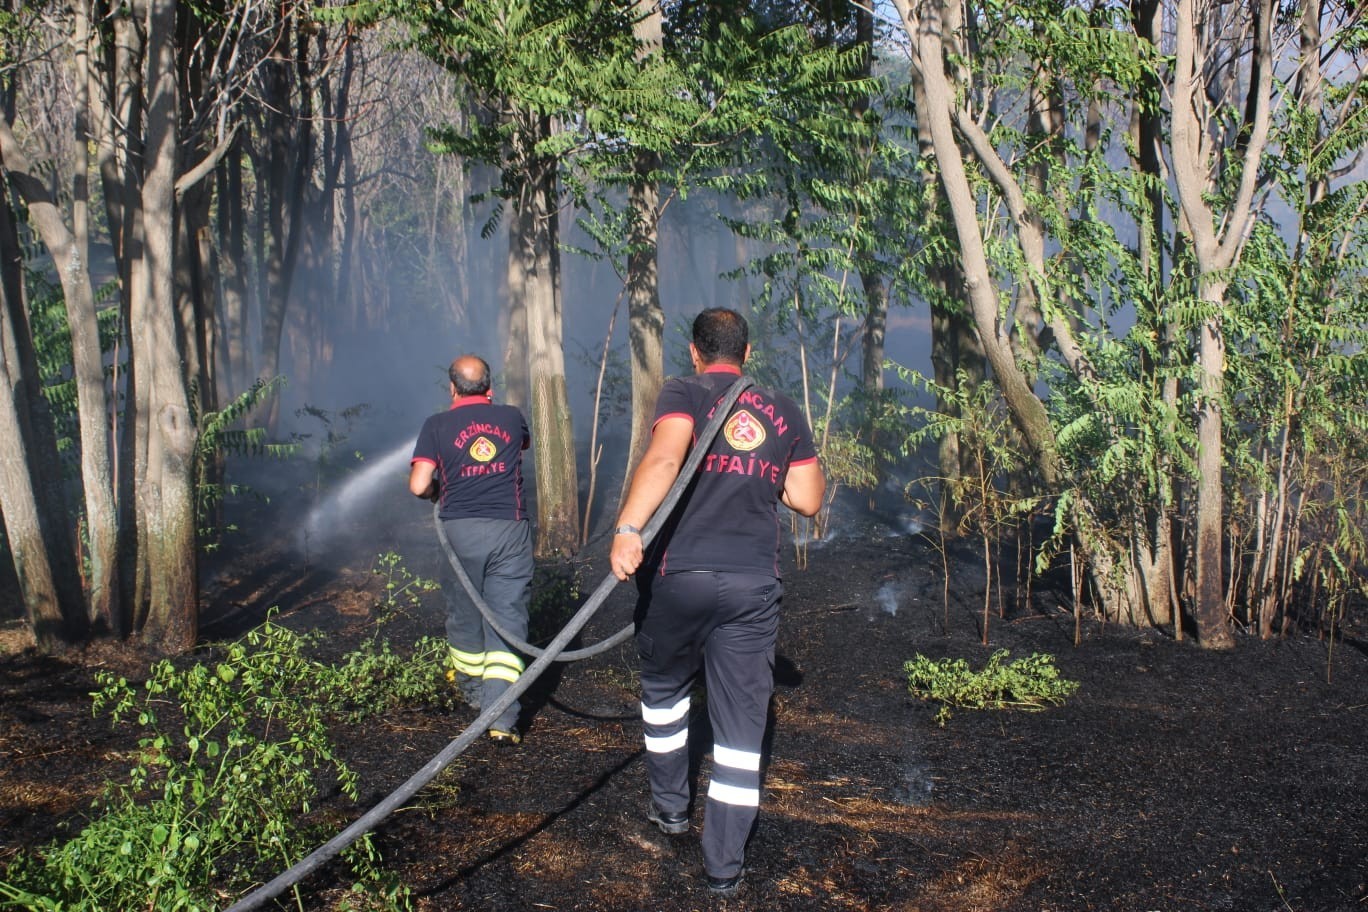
[{"x": 1126, "y": 241}]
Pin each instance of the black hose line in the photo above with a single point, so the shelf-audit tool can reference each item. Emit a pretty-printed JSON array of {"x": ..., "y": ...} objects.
[
  {"x": 372, "y": 818},
  {"x": 570, "y": 655}
]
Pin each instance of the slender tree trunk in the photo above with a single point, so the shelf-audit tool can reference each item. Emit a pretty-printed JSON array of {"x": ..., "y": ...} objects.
[
  {"x": 521, "y": 226},
  {"x": 173, "y": 613},
  {"x": 290, "y": 159},
  {"x": 236, "y": 372},
  {"x": 928, "y": 25},
  {"x": 553, "y": 439},
  {"x": 1027, "y": 411},
  {"x": 956, "y": 354},
  {"x": 1155, "y": 553},
  {"x": 1215, "y": 252},
  {"x": 73, "y": 270},
  {"x": 871, "y": 280},
  {"x": 19, "y": 510},
  {"x": 646, "y": 318},
  {"x": 31, "y": 504},
  {"x": 121, "y": 155},
  {"x": 196, "y": 292}
]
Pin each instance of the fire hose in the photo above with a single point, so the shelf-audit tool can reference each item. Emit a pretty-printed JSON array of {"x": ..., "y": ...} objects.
[{"x": 550, "y": 653}]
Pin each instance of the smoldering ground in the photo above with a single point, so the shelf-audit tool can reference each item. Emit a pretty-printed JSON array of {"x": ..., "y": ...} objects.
[{"x": 1174, "y": 779}]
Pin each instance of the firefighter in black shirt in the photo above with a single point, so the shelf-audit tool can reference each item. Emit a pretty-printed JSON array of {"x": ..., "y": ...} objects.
[
  {"x": 470, "y": 456},
  {"x": 710, "y": 588}
]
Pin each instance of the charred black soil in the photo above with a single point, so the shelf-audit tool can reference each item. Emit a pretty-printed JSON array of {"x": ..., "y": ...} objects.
[{"x": 1175, "y": 779}]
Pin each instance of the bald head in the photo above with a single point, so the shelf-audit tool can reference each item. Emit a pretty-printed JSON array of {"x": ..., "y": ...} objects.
[{"x": 469, "y": 374}]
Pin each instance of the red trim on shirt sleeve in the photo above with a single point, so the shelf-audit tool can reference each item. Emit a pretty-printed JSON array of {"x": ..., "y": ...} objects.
[
  {"x": 685, "y": 415},
  {"x": 417, "y": 459},
  {"x": 798, "y": 462}
]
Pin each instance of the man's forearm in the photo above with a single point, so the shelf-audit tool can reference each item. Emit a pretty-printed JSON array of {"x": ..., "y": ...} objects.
[{"x": 650, "y": 484}]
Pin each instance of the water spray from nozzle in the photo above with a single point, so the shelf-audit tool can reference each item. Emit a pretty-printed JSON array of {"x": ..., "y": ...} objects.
[{"x": 376, "y": 479}]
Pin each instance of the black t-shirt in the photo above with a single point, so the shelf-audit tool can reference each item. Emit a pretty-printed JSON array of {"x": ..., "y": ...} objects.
[
  {"x": 727, "y": 518},
  {"x": 477, "y": 449}
]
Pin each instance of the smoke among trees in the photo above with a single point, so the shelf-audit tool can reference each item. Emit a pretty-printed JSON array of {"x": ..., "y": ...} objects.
[{"x": 1104, "y": 261}]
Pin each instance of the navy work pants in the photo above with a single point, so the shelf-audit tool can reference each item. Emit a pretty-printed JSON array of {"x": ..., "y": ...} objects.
[{"x": 725, "y": 623}]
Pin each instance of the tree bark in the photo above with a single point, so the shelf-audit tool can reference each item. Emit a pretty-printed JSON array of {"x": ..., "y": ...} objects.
[
  {"x": 172, "y": 620},
  {"x": 19, "y": 510},
  {"x": 289, "y": 159},
  {"x": 925, "y": 30},
  {"x": 31, "y": 504},
  {"x": 1215, "y": 251},
  {"x": 645, "y": 316},
  {"x": 553, "y": 442},
  {"x": 73, "y": 269},
  {"x": 875, "y": 322},
  {"x": 957, "y": 356},
  {"x": 514, "y": 315},
  {"x": 236, "y": 373}
]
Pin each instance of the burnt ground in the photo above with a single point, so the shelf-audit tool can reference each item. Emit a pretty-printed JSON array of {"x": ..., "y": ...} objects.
[{"x": 1174, "y": 780}]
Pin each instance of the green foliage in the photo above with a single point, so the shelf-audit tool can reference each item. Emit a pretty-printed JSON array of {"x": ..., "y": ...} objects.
[
  {"x": 848, "y": 461},
  {"x": 330, "y": 456},
  {"x": 221, "y": 434},
  {"x": 52, "y": 349},
  {"x": 402, "y": 591},
  {"x": 233, "y": 756},
  {"x": 1297, "y": 440},
  {"x": 1031, "y": 683},
  {"x": 374, "y": 678}
]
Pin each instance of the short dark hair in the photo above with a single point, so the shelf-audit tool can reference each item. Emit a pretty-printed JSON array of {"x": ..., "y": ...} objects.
[
  {"x": 465, "y": 384},
  {"x": 721, "y": 334}
]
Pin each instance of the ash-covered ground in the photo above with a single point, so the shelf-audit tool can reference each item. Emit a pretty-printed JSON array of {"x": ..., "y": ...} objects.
[{"x": 1175, "y": 780}]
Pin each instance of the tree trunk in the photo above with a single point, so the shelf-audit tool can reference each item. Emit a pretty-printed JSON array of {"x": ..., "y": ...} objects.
[
  {"x": 172, "y": 620},
  {"x": 1194, "y": 165},
  {"x": 30, "y": 494},
  {"x": 19, "y": 510},
  {"x": 553, "y": 440},
  {"x": 1155, "y": 553},
  {"x": 1027, "y": 411},
  {"x": 196, "y": 293},
  {"x": 235, "y": 373},
  {"x": 928, "y": 25},
  {"x": 521, "y": 226},
  {"x": 289, "y": 157},
  {"x": 956, "y": 355},
  {"x": 73, "y": 269},
  {"x": 645, "y": 316},
  {"x": 875, "y": 291}
]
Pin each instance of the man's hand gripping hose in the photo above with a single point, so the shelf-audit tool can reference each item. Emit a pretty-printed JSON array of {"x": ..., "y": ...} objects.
[{"x": 555, "y": 650}]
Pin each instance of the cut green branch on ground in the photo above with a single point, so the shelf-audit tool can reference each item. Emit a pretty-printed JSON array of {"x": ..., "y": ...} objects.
[{"x": 1030, "y": 683}]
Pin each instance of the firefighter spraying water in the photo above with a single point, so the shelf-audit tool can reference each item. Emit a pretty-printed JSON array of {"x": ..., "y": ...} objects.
[{"x": 552, "y": 652}]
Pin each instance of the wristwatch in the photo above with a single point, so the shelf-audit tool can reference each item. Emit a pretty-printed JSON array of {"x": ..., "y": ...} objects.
[{"x": 626, "y": 530}]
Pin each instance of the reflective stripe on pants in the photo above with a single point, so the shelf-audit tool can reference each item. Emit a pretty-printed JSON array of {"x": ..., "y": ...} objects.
[
  {"x": 726, "y": 624},
  {"x": 497, "y": 556}
]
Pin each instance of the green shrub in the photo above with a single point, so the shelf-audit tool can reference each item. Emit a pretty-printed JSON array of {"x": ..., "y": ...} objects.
[
  {"x": 1029, "y": 683},
  {"x": 234, "y": 755}
]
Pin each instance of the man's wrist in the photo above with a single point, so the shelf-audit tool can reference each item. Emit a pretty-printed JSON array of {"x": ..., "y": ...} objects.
[{"x": 627, "y": 529}]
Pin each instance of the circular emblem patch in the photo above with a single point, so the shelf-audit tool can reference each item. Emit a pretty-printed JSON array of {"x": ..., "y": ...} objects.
[
  {"x": 743, "y": 431},
  {"x": 483, "y": 449}
]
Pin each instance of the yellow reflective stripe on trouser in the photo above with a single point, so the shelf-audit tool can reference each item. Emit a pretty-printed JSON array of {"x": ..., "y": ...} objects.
[
  {"x": 502, "y": 666},
  {"x": 470, "y": 663}
]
